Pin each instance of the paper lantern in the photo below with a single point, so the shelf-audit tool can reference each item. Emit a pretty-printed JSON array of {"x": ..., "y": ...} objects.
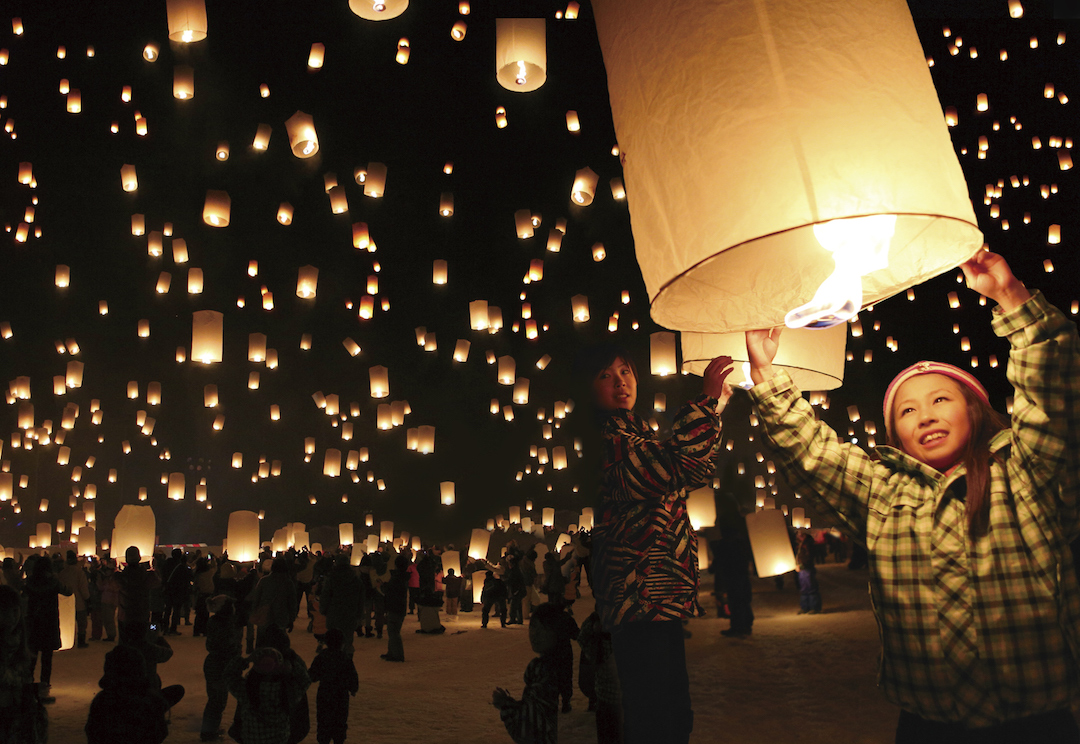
[
  {"x": 316, "y": 56},
  {"x": 458, "y": 30},
  {"x": 262, "y": 137},
  {"x": 584, "y": 189},
  {"x": 210, "y": 396},
  {"x": 386, "y": 531},
  {"x": 662, "y": 353},
  {"x": 520, "y": 53},
  {"x": 478, "y": 315},
  {"x": 446, "y": 493},
  {"x": 187, "y": 20},
  {"x": 243, "y": 536},
  {"x": 256, "y": 347},
  {"x": 183, "y": 86},
  {"x": 425, "y": 439},
  {"x": 207, "y": 329},
  {"x": 128, "y": 179},
  {"x": 507, "y": 367},
  {"x": 302, "y": 137},
  {"x": 134, "y": 526},
  {"x": 66, "y": 610},
  {"x": 701, "y": 508},
  {"x": 523, "y": 223},
  {"x": 375, "y": 183},
  {"x": 332, "y": 463},
  {"x": 813, "y": 358},
  {"x": 446, "y": 204},
  {"x": 194, "y": 281},
  {"x": 379, "y": 379},
  {"x": 478, "y": 544},
  {"x": 307, "y": 282},
  {"x": 705, "y": 255},
  {"x": 6, "y": 486},
  {"x": 770, "y": 543},
  {"x": 74, "y": 101},
  {"x": 177, "y": 486},
  {"x": 461, "y": 350},
  {"x": 216, "y": 208},
  {"x": 144, "y": 328},
  {"x": 558, "y": 457},
  {"x": 285, "y": 213},
  {"x": 438, "y": 271},
  {"x": 579, "y": 306},
  {"x": 521, "y": 391},
  {"x": 548, "y": 517},
  {"x": 378, "y": 10},
  {"x": 451, "y": 560}
]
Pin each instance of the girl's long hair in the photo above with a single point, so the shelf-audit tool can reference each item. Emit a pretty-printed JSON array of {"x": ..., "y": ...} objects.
[{"x": 984, "y": 424}]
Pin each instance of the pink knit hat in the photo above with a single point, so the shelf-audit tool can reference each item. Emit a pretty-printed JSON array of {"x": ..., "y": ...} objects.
[{"x": 927, "y": 368}]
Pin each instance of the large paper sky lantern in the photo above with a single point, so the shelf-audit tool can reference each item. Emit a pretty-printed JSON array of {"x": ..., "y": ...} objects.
[
  {"x": 302, "y": 137},
  {"x": 745, "y": 128},
  {"x": 134, "y": 525},
  {"x": 187, "y": 20},
  {"x": 520, "y": 53},
  {"x": 243, "y": 536},
  {"x": 207, "y": 327},
  {"x": 770, "y": 543},
  {"x": 378, "y": 10}
]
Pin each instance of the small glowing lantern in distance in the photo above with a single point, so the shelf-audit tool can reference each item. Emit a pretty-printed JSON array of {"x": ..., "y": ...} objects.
[
  {"x": 316, "y": 55},
  {"x": 187, "y": 20},
  {"x": 446, "y": 493},
  {"x": 302, "y": 137},
  {"x": 332, "y": 463},
  {"x": 548, "y": 516},
  {"x": 702, "y": 259},
  {"x": 579, "y": 305},
  {"x": 584, "y": 188},
  {"x": 378, "y": 10},
  {"x": 262, "y": 137},
  {"x": 176, "y": 486},
  {"x": 458, "y": 30},
  {"x": 379, "y": 381},
  {"x": 520, "y": 53},
  {"x": 285, "y": 213},
  {"x": 446, "y": 204},
  {"x": 183, "y": 82},
  {"x": 375, "y": 183},
  {"x": 128, "y": 179},
  {"x": 307, "y": 282},
  {"x": 662, "y": 348},
  {"x": 216, "y": 209},
  {"x": 701, "y": 508}
]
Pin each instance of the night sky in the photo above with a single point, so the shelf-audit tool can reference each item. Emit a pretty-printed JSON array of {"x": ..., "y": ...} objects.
[{"x": 414, "y": 118}]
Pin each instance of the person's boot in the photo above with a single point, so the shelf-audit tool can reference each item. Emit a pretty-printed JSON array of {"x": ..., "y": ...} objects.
[{"x": 44, "y": 694}]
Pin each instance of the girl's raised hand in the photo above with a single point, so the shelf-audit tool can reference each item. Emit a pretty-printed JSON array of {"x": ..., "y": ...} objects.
[
  {"x": 761, "y": 347},
  {"x": 989, "y": 274}
]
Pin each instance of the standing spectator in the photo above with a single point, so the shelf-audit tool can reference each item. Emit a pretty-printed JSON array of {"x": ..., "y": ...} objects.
[
  {"x": 273, "y": 603},
  {"x": 15, "y": 699},
  {"x": 245, "y": 590},
  {"x": 341, "y": 600},
  {"x": 305, "y": 583},
  {"x": 222, "y": 646},
  {"x": 74, "y": 578},
  {"x": 336, "y": 674},
  {"x": 12, "y": 575},
  {"x": 42, "y": 591},
  {"x": 566, "y": 630},
  {"x": 534, "y": 718},
  {"x": 397, "y": 600},
  {"x": 176, "y": 575},
  {"x": 265, "y": 697},
  {"x": 809, "y": 595},
  {"x": 97, "y": 622},
  {"x": 413, "y": 581},
  {"x": 515, "y": 585},
  {"x": 493, "y": 595},
  {"x": 527, "y": 566},
  {"x": 136, "y": 582},
  {"x": 732, "y": 555},
  {"x": 452, "y": 589},
  {"x": 204, "y": 590}
]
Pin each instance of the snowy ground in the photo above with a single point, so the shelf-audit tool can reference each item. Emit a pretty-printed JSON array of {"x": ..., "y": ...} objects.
[{"x": 797, "y": 679}]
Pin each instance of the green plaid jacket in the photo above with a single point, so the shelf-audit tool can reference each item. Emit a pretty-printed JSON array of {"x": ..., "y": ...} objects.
[{"x": 976, "y": 631}]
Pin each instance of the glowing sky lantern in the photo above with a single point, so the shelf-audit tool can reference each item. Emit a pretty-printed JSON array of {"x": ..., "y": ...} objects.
[
  {"x": 216, "y": 208},
  {"x": 243, "y": 536},
  {"x": 302, "y": 137},
  {"x": 704, "y": 252},
  {"x": 187, "y": 20},
  {"x": 183, "y": 82},
  {"x": 584, "y": 189},
  {"x": 207, "y": 328},
  {"x": 307, "y": 282},
  {"x": 520, "y": 53},
  {"x": 446, "y": 493},
  {"x": 378, "y": 10}
]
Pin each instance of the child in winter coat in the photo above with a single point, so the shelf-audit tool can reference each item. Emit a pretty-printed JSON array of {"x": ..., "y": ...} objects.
[
  {"x": 337, "y": 678},
  {"x": 534, "y": 719}
]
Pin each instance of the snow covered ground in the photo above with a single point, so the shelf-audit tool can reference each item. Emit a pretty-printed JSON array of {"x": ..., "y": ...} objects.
[{"x": 797, "y": 679}]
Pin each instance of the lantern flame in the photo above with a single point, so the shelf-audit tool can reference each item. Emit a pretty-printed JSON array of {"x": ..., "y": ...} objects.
[
  {"x": 520, "y": 79},
  {"x": 859, "y": 247}
]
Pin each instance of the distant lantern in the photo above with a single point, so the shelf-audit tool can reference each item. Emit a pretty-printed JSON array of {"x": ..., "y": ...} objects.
[
  {"x": 332, "y": 462},
  {"x": 144, "y": 328},
  {"x": 548, "y": 517},
  {"x": 128, "y": 179},
  {"x": 176, "y": 486},
  {"x": 256, "y": 347},
  {"x": 62, "y": 277},
  {"x": 1053, "y": 235},
  {"x": 285, "y": 213},
  {"x": 584, "y": 189},
  {"x": 579, "y": 305},
  {"x": 558, "y": 457},
  {"x": 438, "y": 271},
  {"x": 507, "y": 372},
  {"x": 461, "y": 350},
  {"x": 478, "y": 315},
  {"x": 207, "y": 329},
  {"x": 262, "y": 137},
  {"x": 770, "y": 543},
  {"x": 307, "y": 282},
  {"x": 599, "y": 253},
  {"x": 183, "y": 82},
  {"x": 523, "y": 223},
  {"x": 216, "y": 208},
  {"x": 446, "y": 204},
  {"x": 302, "y": 137},
  {"x": 375, "y": 183},
  {"x": 74, "y": 101},
  {"x": 379, "y": 381},
  {"x": 222, "y": 152},
  {"x": 446, "y": 493},
  {"x": 500, "y": 117},
  {"x": 662, "y": 348},
  {"x": 316, "y": 56},
  {"x": 704, "y": 255},
  {"x": 378, "y": 10},
  {"x": 573, "y": 124},
  {"x": 521, "y": 391},
  {"x": 361, "y": 238},
  {"x": 618, "y": 191},
  {"x": 194, "y": 281},
  {"x": 402, "y": 56},
  {"x": 425, "y": 439},
  {"x": 478, "y": 544},
  {"x": 520, "y": 53},
  {"x": 180, "y": 251},
  {"x": 187, "y": 20},
  {"x": 457, "y": 31},
  {"x": 1064, "y": 160},
  {"x": 339, "y": 203}
]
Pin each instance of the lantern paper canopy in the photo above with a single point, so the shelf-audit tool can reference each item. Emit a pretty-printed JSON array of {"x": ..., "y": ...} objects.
[
  {"x": 86, "y": 540},
  {"x": 216, "y": 209},
  {"x": 176, "y": 486},
  {"x": 183, "y": 82},
  {"x": 478, "y": 544},
  {"x": 187, "y": 20},
  {"x": 345, "y": 533},
  {"x": 386, "y": 531},
  {"x": 447, "y": 496},
  {"x": 302, "y": 137},
  {"x": 332, "y": 463},
  {"x": 548, "y": 516},
  {"x": 307, "y": 282},
  {"x": 451, "y": 559},
  {"x": 584, "y": 189},
  {"x": 243, "y": 536},
  {"x": 783, "y": 111},
  {"x": 207, "y": 327},
  {"x": 134, "y": 526},
  {"x": 128, "y": 178},
  {"x": 375, "y": 183},
  {"x": 378, "y": 10},
  {"x": 662, "y": 353},
  {"x": 379, "y": 381},
  {"x": 770, "y": 543},
  {"x": 813, "y": 358},
  {"x": 701, "y": 508},
  {"x": 520, "y": 53}
]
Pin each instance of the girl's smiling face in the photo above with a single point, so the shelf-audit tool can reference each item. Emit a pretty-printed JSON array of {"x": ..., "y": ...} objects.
[
  {"x": 931, "y": 420},
  {"x": 616, "y": 387}
]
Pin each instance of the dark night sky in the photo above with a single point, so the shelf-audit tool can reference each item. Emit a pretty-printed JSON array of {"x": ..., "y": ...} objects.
[{"x": 415, "y": 117}]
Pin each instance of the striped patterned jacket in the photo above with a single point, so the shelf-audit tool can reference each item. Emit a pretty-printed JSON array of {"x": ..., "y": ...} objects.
[
  {"x": 644, "y": 549},
  {"x": 973, "y": 630}
]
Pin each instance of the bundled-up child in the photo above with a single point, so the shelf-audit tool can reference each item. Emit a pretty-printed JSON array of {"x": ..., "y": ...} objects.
[
  {"x": 535, "y": 718},
  {"x": 337, "y": 678},
  {"x": 267, "y": 696},
  {"x": 598, "y": 678}
]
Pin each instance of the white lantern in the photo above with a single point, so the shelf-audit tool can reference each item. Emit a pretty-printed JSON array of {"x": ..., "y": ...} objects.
[
  {"x": 770, "y": 543},
  {"x": 520, "y": 53}
]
